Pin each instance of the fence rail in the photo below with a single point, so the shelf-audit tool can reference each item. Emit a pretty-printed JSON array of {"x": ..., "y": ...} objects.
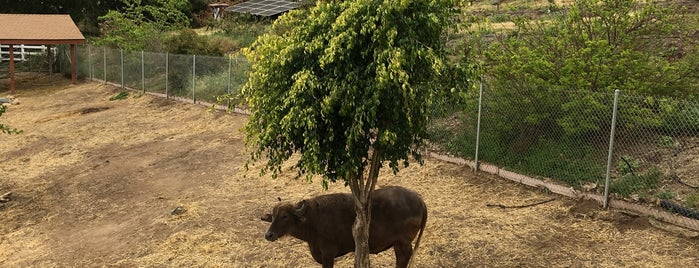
[
  {"x": 627, "y": 151},
  {"x": 22, "y": 52}
]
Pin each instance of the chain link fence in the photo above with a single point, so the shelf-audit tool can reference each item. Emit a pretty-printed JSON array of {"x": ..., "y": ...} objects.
[
  {"x": 197, "y": 78},
  {"x": 640, "y": 149}
]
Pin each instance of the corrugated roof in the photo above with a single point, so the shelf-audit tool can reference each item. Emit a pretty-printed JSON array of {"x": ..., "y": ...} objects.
[
  {"x": 39, "y": 29},
  {"x": 264, "y": 7}
]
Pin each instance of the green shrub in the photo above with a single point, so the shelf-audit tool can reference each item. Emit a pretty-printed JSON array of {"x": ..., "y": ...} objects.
[
  {"x": 634, "y": 184},
  {"x": 667, "y": 142},
  {"x": 5, "y": 128},
  {"x": 211, "y": 86},
  {"x": 573, "y": 52},
  {"x": 666, "y": 195},
  {"x": 627, "y": 165},
  {"x": 693, "y": 200},
  {"x": 185, "y": 41},
  {"x": 121, "y": 96}
]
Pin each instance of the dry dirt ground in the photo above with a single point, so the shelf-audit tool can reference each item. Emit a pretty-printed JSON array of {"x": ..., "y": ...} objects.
[{"x": 147, "y": 182}]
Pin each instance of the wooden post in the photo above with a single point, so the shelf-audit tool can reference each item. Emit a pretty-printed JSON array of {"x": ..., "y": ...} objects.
[
  {"x": 12, "y": 70},
  {"x": 73, "y": 75}
]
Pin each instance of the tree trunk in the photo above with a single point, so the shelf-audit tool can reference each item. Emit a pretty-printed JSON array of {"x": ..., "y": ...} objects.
[
  {"x": 362, "y": 189},
  {"x": 360, "y": 230}
]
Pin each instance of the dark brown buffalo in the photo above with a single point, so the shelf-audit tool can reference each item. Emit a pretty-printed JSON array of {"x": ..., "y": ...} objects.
[{"x": 325, "y": 223}]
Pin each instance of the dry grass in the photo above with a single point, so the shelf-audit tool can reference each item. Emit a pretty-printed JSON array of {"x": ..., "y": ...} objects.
[{"x": 98, "y": 189}]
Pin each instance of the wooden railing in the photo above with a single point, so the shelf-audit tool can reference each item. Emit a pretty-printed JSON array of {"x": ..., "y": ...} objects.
[{"x": 21, "y": 52}]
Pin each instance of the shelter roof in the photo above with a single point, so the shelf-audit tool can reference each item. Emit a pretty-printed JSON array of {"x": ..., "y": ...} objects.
[
  {"x": 39, "y": 29},
  {"x": 264, "y": 8}
]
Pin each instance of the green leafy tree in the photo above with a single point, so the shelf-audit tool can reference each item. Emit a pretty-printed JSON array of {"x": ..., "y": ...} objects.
[
  {"x": 141, "y": 25},
  {"x": 596, "y": 46},
  {"x": 346, "y": 86},
  {"x": 5, "y": 128}
]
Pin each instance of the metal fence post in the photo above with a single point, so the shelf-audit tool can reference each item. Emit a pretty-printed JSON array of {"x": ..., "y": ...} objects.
[
  {"x": 478, "y": 125},
  {"x": 104, "y": 63},
  {"x": 229, "y": 81},
  {"x": 89, "y": 61},
  {"x": 611, "y": 149},
  {"x": 143, "y": 73},
  {"x": 167, "y": 73},
  {"x": 121, "y": 54},
  {"x": 194, "y": 77}
]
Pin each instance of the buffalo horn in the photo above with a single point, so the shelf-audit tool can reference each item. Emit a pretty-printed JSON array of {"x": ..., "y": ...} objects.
[{"x": 300, "y": 211}]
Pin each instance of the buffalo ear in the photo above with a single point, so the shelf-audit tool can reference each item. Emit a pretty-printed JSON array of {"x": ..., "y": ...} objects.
[{"x": 267, "y": 217}]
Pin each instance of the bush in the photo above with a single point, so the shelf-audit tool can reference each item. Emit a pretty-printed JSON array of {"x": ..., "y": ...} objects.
[
  {"x": 634, "y": 184},
  {"x": 187, "y": 41},
  {"x": 617, "y": 50},
  {"x": 141, "y": 26},
  {"x": 5, "y": 128}
]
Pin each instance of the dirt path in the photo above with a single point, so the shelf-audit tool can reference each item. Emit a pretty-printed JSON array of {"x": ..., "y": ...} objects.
[{"x": 95, "y": 183}]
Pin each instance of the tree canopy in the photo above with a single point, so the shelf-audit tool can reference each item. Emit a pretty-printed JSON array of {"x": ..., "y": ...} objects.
[
  {"x": 141, "y": 24},
  {"x": 335, "y": 80}
]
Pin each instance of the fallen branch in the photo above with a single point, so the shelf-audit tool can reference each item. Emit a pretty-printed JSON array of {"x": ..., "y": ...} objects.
[
  {"x": 521, "y": 206},
  {"x": 628, "y": 165},
  {"x": 5, "y": 197},
  {"x": 680, "y": 181}
]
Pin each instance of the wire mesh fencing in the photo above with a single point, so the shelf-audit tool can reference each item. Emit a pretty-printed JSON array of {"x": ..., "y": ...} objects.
[
  {"x": 641, "y": 149},
  {"x": 656, "y": 155},
  {"x": 193, "y": 77}
]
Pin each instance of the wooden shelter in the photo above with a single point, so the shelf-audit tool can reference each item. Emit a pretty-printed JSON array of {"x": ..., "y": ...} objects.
[
  {"x": 39, "y": 29},
  {"x": 218, "y": 8}
]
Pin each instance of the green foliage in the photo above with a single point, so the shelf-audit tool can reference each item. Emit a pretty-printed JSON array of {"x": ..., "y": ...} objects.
[
  {"x": 5, "y": 128},
  {"x": 667, "y": 142},
  {"x": 121, "y": 96},
  {"x": 209, "y": 87},
  {"x": 681, "y": 116},
  {"x": 627, "y": 165},
  {"x": 244, "y": 29},
  {"x": 597, "y": 46},
  {"x": 140, "y": 25},
  {"x": 339, "y": 78},
  {"x": 187, "y": 41},
  {"x": 666, "y": 195},
  {"x": 634, "y": 184},
  {"x": 693, "y": 200}
]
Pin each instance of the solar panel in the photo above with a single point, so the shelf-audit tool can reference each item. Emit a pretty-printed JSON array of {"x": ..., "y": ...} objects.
[{"x": 264, "y": 7}]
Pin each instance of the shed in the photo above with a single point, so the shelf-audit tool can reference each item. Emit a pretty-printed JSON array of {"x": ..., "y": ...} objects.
[
  {"x": 39, "y": 29},
  {"x": 217, "y": 7}
]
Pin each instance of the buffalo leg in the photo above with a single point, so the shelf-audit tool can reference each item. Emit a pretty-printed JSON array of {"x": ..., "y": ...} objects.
[
  {"x": 328, "y": 261},
  {"x": 403, "y": 252}
]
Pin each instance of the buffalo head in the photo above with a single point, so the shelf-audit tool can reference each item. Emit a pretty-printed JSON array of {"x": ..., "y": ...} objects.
[{"x": 285, "y": 218}]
